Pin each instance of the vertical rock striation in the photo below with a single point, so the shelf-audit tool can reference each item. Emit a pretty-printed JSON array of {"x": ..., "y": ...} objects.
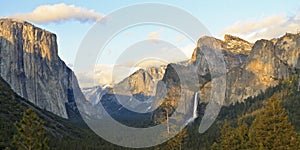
[
  {"x": 268, "y": 63},
  {"x": 29, "y": 62},
  {"x": 183, "y": 81}
]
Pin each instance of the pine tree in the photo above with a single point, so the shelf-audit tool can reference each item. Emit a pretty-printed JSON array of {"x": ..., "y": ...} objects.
[
  {"x": 298, "y": 140},
  {"x": 31, "y": 134},
  {"x": 242, "y": 135},
  {"x": 233, "y": 138},
  {"x": 215, "y": 146},
  {"x": 271, "y": 128},
  {"x": 167, "y": 108},
  {"x": 227, "y": 139},
  {"x": 177, "y": 141}
]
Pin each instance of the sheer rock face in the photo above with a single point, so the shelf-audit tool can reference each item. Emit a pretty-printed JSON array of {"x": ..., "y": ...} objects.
[
  {"x": 142, "y": 82},
  {"x": 197, "y": 74},
  {"x": 230, "y": 44},
  {"x": 182, "y": 81},
  {"x": 268, "y": 62},
  {"x": 250, "y": 69},
  {"x": 29, "y": 62},
  {"x": 234, "y": 50}
]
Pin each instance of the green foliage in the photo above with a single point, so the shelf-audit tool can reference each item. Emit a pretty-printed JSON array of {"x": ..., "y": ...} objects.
[
  {"x": 298, "y": 141},
  {"x": 242, "y": 135},
  {"x": 227, "y": 136},
  {"x": 74, "y": 134},
  {"x": 62, "y": 133},
  {"x": 177, "y": 141},
  {"x": 271, "y": 128},
  {"x": 31, "y": 134},
  {"x": 286, "y": 92},
  {"x": 233, "y": 138},
  {"x": 215, "y": 146}
]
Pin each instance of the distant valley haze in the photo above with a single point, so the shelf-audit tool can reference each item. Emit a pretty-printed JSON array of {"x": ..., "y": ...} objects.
[
  {"x": 159, "y": 74},
  {"x": 72, "y": 20}
]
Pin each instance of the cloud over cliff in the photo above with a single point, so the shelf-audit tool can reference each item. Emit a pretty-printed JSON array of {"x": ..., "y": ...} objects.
[
  {"x": 59, "y": 13},
  {"x": 265, "y": 28}
]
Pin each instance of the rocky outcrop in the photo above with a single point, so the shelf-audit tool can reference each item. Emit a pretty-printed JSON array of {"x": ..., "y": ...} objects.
[
  {"x": 141, "y": 82},
  {"x": 181, "y": 82},
  {"x": 230, "y": 44},
  {"x": 233, "y": 50},
  {"x": 29, "y": 62},
  {"x": 268, "y": 63},
  {"x": 249, "y": 75},
  {"x": 135, "y": 92},
  {"x": 94, "y": 94}
]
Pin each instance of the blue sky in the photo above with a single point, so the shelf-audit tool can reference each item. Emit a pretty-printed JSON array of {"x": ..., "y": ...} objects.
[{"x": 251, "y": 20}]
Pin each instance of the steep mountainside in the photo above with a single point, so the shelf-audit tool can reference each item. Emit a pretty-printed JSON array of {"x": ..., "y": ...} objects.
[
  {"x": 182, "y": 82},
  {"x": 268, "y": 63},
  {"x": 143, "y": 82},
  {"x": 30, "y": 64},
  {"x": 94, "y": 94},
  {"x": 62, "y": 133},
  {"x": 247, "y": 74},
  {"x": 271, "y": 68},
  {"x": 137, "y": 91}
]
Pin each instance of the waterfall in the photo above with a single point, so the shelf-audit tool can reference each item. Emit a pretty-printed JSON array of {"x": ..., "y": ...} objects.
[
  {"x": 194, "y": 110},
  {"x": 195, "y": 106}
]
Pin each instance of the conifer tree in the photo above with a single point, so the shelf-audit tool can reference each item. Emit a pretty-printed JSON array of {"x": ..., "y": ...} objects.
[
  {"x": 215, "y": 146},
  {"x": 298, "y": 141},
  {"x": 242, "y": 135},
  {"x": 233, "y": 138},
  {"x": 177, "y": 141},
  {"x": 227, "y": 138},
  {"x": 271, "y": 128},
  {"x": 31, "y": 134}
]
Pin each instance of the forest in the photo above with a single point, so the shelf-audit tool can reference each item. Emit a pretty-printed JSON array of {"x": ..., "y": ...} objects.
[{"x": 270, "y": 120}]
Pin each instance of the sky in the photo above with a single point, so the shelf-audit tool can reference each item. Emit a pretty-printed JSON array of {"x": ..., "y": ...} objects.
[{"x": 71, "y": 21}]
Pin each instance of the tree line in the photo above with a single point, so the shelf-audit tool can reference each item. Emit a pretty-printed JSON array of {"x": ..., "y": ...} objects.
[{"x": 271, "y": 129}]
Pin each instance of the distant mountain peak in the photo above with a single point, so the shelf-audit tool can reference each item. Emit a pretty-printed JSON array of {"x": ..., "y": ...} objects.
[
  {"x": 231, "y": 44},
  {"x": 143, "y": 81},
  {"x": 229, "y": 38}
]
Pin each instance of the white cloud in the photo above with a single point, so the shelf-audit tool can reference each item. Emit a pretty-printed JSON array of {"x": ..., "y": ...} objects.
[
  {"x": 111, "y": 74},
  {"x": 188, "y": 50},
  {"x": 266, "y": 28},
  {"x": 170, "y": 54},
  {"x": 153, "y": 35},
  {"x": 59, "y": 13},
  {"x": 180, "y": 39},
  {"x": 103, "y": 74}
]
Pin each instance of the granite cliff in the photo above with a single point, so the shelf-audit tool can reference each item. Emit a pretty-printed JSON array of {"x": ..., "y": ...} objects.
[
  {"x": 250, "y": 68},
  {"x": 183, "y": 83},
  {"x": 268, "y": 63},
  {"x": 135, "y": 92},
  {"x": 142, "y": 82},
  {"x": 30, "y": 64}
]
